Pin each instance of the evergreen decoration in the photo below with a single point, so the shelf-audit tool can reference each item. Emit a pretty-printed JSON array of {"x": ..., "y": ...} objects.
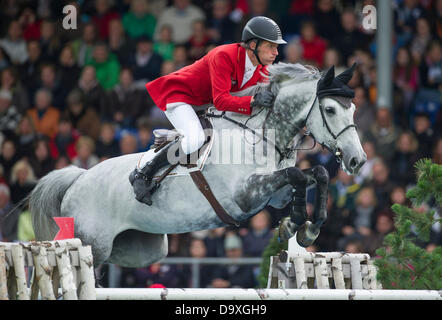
[
  {"x": 273, "y": 249},
  {"x": 402, "y": 263}
]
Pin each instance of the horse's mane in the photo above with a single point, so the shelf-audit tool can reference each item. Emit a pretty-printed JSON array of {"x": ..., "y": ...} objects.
[{"x": 292, "y": 71}]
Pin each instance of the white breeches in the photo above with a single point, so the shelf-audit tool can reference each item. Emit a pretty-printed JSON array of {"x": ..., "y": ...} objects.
[{"x": 183, "y": 117}]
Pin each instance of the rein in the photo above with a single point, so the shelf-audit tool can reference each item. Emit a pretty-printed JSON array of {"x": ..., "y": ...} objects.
[{"x": 288, "y": 150}]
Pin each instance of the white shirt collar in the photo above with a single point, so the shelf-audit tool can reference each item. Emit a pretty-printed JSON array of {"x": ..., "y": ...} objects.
[{"x": 249, "y": 70}]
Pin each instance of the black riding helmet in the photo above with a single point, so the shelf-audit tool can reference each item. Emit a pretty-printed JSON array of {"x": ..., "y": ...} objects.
[{"x": 261, "y": 28}]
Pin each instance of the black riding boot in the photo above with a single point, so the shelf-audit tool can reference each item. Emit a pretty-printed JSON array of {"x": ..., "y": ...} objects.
[{"x": 141, "y": 180}]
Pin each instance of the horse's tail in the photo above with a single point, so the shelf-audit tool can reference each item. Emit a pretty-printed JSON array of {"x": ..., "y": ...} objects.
[{"x": 45, "y": 200}]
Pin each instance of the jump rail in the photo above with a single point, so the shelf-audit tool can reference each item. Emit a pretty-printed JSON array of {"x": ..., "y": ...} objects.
[
  {"x": 63, "y": 263},
  {"x": 265, "y": 294}
]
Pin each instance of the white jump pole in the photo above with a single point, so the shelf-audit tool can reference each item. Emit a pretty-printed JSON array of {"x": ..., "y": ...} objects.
[{"x": 263, "y": 294}]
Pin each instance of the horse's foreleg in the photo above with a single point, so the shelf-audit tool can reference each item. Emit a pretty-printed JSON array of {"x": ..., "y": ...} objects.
[
  {"x": 308, "y": 233},
  {"x": 259, "y": 189}
]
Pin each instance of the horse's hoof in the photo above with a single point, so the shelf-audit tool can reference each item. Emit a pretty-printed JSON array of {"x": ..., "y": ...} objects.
[
  {"x": 307, "y": 234},
  {"x": 286, "y": 230}
]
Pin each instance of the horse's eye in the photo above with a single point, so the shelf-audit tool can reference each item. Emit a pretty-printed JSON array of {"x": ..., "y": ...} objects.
[{"x": 330, "y": 110}]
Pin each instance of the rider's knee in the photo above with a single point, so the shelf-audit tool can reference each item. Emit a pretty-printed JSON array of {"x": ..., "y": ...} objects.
[{"x": 193, "y": 143}]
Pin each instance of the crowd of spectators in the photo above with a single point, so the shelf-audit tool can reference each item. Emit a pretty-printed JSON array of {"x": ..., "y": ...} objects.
[{"x": 77, "y": 96}]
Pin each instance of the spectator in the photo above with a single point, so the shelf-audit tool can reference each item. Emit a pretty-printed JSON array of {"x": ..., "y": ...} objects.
[
  {"x": 128, "y": 143},
  {"x": 84, "y": 119},
  {"x": 23, "y": 181},
  {"x": 144, "y": 132},
  {"x": 85, "y": 158},
  {"x": 63, "y": 144},
  {"x": 405, "y": 77},
  {"x": 365, "y": 174},
  {"x": 294, "y": 52},
  {"x": 424, "y": 134},
  {"x": 69, "y": 72},
  {"x": 26, "y": 135},
  {"x": 313, "y": 45},
  {"x": 180, "y": 57},
  {"x": 406, "y": 14},
  {"x": 127, "y": 101},
  {"x": 381, "y": 183},
  {"x": 180, "y": 17},
  {"x": 118, "y": 43},
  {"x": 404, "y": 158},
  {"x": 354, "y": 246},
  {"x": 62, "y": 162},
  {"x": 93, "y": 93},
  {"x": 83, "y": 47},
  {"x": 421, "y": 40},
  {"x": 164, "y": 46},
  {"x": 25, "y": 232},
  {"x": 365, "y": 114},
  {"x": 104, "y": 14},
  {"x": 259, "y": 235},
  {"x": 50, "y": 81},
  {"x": 344, "y": 189},
  {"x": 349, "y": 38},
  {"x": 30, "y": 24},
  {"x": 8, "y": 216},
  {"x": 14, "y": 44},
  {"x": 198, "y": 41},
  {"x": 138, "y": 21},
  {"x": 326, "y": 159},
  {"x": 9, "y": 115},
  {"x": 362, "y": 217},
  {"x": 107, "y": 146},
  {"x": 326, "y": 17},
  {"x": 215, "y": 242},
  {"x": 384, "y": 134},
  {"x": 437, "y": 151},
  {"x": 331, "y": 229},
  {"x": 333, "y": 58},
  {"x": 233, "y": 276},
  {"x": 49, "y": 41},
  {"x": 179, "y": 244},
  {"x": 430, "y": 69},
  {"x": 10, "y": 81},
  {"x": 44, "y": 116},
  {"x": 41, "y": 161},
  {"x": 4, "y": 59},
  {"x": 8, "y": 158},
  {"x": 156, "y": 273},
  {"x": 145, "y": 64},
  {"x": 106, "y": 66},
  {"x": 30, "y": 70},
  {"x": 197, "y": 250},
  {"x": 221, "y": 28}
]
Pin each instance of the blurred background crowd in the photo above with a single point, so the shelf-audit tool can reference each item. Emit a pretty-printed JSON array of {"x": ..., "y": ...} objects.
[{"x": 77, "y": 96}]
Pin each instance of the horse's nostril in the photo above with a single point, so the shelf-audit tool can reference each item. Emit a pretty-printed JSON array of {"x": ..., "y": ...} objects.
[{"x": 354, "y": 163}]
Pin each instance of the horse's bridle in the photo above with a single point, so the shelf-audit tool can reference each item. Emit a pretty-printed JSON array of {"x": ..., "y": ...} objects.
[{"x": 288, "y": 150}]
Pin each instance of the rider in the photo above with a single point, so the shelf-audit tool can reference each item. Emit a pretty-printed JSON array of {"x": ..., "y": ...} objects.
[{"x": 224, "y": 70}]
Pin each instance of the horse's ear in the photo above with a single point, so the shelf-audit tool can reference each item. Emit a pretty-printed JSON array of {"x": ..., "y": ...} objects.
[
  {"x": 327, "y": 79},
  {"x": 346, "y": 76}
]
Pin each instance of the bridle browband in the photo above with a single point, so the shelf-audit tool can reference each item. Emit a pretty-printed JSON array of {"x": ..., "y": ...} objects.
[{"x": 288, "y": 150}]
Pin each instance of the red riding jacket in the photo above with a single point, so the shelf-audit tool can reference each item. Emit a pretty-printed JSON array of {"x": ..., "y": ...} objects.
[{"x": 209, "y": 80}]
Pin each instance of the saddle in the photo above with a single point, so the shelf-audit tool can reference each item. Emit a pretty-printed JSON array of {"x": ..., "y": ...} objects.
[{"x": 162, "y": 137}]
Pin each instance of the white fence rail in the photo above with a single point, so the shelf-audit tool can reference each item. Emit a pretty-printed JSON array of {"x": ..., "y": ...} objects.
[{"x": 265, "y": 294}]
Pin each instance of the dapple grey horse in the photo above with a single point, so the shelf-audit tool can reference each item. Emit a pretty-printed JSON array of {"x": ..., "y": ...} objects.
[{"x": 123, "y": 231}]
